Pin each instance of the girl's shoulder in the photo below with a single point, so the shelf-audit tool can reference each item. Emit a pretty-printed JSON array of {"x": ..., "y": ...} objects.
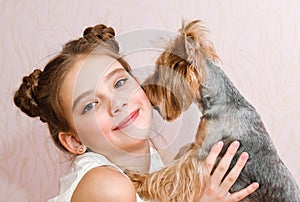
[{"x": 104, "y": 183}]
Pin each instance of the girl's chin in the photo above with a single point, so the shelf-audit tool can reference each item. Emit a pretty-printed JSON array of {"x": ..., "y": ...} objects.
[{"x": 136, "y": 133}]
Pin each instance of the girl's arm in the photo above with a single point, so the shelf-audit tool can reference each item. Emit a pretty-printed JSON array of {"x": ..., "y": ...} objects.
[{"x": 104, "y": 184}]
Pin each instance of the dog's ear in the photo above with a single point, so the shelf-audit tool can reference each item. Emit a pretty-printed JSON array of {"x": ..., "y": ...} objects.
[
  {"x": 193, "y": 56},
  {"x": 197, "y": 40},
  {"x": 190, "y": 49},
  {"x": 198, "y": 47}
]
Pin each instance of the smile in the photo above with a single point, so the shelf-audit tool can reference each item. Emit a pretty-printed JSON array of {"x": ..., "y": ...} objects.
[{"x": 128, "y": 120}]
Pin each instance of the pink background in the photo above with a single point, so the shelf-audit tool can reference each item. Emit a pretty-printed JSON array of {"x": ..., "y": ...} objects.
[{"x": 258, "y": 42}]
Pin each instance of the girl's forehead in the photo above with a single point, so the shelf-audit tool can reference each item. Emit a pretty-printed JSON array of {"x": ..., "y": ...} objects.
[
  {"x": 89, "y": 72},
  {"x": 95, "y": 67},
  {"x": 100, "y": 63}
]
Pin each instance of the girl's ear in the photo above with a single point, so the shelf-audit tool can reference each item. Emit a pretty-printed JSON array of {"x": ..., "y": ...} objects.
[{"x": 71, "y": 142}]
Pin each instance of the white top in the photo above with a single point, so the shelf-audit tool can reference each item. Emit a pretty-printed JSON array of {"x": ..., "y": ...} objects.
[{"x": 87, "y": 161}]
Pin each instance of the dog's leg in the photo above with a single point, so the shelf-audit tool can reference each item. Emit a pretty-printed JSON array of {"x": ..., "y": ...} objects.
[{"x": 201, "y": 132}]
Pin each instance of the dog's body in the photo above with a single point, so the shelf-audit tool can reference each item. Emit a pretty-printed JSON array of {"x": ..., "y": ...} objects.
[
  {"x": 186, "y": 73},
  {"x": 231, "y": 116}
]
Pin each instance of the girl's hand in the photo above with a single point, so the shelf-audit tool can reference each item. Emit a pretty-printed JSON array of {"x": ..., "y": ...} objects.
[{"x": 218, "y": 190}]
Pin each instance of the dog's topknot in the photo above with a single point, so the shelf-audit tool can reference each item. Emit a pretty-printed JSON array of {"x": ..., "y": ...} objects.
[{"x": 197, "y": 39}]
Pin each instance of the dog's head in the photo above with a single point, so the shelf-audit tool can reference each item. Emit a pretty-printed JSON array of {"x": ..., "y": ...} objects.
[{"x": 180, "y": 71}]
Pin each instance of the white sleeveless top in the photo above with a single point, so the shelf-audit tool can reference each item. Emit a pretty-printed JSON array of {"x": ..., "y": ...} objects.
[{"x": 87, "y": 161}]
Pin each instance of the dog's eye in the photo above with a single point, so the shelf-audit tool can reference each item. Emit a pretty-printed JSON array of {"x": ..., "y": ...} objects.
[
  {"x": 176, "y": 65},
  {"x": 179, "y": 64}
]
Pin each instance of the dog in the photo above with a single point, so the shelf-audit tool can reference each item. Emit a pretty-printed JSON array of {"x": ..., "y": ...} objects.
[{"x": 185, "y": 73}]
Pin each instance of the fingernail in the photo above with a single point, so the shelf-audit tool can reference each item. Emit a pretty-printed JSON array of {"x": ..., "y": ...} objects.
[
  {"x": 244, "y": 155},
  {"x": 220, "y": 144},
  {"x": 255, "y": 185},
  {"x": 236, "y": 144}
]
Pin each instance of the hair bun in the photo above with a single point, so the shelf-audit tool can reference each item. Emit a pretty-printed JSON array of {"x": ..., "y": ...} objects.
[
  {"x": 101, "y": 31},
  {"x": 25, "y": 97}
]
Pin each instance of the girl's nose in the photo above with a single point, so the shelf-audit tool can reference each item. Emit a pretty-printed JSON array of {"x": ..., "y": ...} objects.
[{"x": 119, "y": 106}]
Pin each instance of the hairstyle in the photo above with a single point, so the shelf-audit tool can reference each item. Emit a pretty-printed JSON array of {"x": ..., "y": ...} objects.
[{"x": 38, "y": 95}]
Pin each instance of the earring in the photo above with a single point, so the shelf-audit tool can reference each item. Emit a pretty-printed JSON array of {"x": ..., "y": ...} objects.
[{"x": 81, "y": 149}]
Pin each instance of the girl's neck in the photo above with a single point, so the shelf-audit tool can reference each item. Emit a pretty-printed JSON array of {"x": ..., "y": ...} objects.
[{"x": 138, "y": 160}]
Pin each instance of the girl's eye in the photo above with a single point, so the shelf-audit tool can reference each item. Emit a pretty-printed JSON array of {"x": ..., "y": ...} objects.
[
  {"x": 120, "y": 83},
  {"x": 89, "y": 106}
]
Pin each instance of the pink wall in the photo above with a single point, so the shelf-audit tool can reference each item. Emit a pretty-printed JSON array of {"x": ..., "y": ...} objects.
[{"x": 258, "y": 42}]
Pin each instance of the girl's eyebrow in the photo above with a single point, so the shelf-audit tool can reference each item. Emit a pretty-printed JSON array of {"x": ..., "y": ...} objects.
[
  {"x": 112, "y": 73},
  {"x": 80, "y": 97}
]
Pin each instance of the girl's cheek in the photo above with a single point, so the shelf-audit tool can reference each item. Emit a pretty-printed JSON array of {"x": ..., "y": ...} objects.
[
  {"x": 143, "y": 98},
  {"x": 88, "y": 125},
  {"x": 92, "y": 134}
]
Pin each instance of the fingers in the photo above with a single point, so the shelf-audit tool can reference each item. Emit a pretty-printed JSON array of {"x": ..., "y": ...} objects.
[
  {"x": 237, "y": 196},
  {"x": 218, "y": 190},
  {"x": 213, "y": 154},
  {"x": 235, "y": 171},
  {"x": 223, "y": 165},
  {"x": 232, "y": 177}
]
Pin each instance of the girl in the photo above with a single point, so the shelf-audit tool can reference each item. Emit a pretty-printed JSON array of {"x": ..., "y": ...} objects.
[{"x": 96, "y": 110}]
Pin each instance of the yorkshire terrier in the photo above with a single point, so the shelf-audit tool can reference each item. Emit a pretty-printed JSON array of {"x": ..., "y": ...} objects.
[{"x": 185, "y": 73}]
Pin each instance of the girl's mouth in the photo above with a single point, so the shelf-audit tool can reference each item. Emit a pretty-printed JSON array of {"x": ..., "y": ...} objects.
[{"x": 128, "y": 120}]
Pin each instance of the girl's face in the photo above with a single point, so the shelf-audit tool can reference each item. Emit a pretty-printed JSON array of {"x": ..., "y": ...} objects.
[{"x": 106, "y": 106}]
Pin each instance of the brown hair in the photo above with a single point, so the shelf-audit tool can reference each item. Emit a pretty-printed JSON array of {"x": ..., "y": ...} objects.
[{"x": 38, "y": 95}]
